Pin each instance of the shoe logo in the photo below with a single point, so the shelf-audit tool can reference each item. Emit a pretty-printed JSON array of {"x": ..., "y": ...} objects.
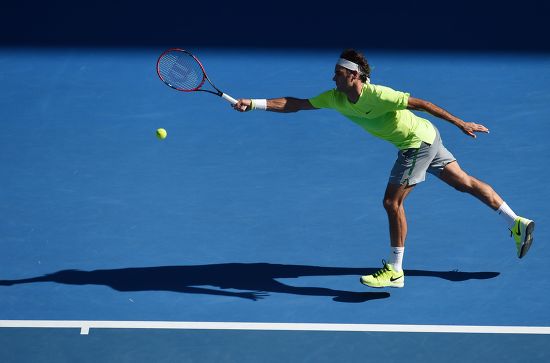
[
  {"x": 518, "y": 232},
  {"x": 395, "y": 279}
]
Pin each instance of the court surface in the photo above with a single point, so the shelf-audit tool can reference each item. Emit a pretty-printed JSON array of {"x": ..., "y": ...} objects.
[{"x": 261, "y": 217}]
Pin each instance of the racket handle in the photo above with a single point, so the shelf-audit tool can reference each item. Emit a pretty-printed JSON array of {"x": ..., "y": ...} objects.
[{"x": 228, "y": 98}]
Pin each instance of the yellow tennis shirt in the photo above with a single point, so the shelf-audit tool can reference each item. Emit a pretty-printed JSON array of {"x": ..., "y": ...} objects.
[{"x": 382, "y": 112}]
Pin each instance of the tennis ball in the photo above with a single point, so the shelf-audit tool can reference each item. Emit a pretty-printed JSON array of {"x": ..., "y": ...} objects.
[{"x": 161, "y": 134}]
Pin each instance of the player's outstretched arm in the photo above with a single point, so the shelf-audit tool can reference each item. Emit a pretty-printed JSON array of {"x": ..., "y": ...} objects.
[
  {"x": 469, "y": 128},
  {"x": 283, "y": 104}
]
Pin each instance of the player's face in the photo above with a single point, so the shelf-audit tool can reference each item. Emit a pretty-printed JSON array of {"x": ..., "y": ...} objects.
[{"x": 343, "y": 78}]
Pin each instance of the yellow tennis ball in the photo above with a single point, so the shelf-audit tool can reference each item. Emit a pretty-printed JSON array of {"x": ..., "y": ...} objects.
[{"x": 161, "y": 134}]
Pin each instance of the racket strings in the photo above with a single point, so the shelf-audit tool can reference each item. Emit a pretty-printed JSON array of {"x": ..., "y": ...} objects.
[{"x": 181, "y": 71}]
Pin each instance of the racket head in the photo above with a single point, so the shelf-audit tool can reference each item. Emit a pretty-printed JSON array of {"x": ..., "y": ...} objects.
[{"x": 181, "y": 70}]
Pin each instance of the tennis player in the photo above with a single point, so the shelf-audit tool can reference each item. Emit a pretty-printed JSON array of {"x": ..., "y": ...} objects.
[{"x": 386, "y": 113}]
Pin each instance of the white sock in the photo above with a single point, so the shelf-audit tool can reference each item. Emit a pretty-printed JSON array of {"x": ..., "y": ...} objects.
[
  {"x": 396, "y": 258},
  {"x": 507, "y": 213}
]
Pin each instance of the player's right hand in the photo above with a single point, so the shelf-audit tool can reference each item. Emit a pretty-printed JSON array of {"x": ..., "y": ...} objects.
[{"x": 243, "y": 105}]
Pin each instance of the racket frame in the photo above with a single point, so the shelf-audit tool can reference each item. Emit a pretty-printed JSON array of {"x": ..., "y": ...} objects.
[{"x": 205, "y": 77}]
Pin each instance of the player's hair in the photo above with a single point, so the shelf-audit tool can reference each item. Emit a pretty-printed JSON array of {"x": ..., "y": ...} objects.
[{"x": 356, "y": 57}]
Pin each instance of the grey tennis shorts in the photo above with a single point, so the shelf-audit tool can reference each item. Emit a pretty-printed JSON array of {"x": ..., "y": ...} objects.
[{"x": 412, "y": 164}]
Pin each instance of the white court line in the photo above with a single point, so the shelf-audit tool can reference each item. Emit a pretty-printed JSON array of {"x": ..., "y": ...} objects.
[{"x": 85, "y": 326}]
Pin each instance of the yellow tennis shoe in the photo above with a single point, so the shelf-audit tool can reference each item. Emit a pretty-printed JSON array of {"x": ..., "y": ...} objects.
[
  {"x": 522, "y": 231},
  {"x": 385, "y": 277}
]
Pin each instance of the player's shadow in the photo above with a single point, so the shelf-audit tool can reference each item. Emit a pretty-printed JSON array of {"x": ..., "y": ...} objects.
[{"x": 254, "y": 280}]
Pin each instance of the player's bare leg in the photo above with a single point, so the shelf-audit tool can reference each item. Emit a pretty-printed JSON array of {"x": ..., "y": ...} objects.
[
  {"x": 520, "y": 228},
  {"x": 394, "y": 199},
  {"x": 460, "y": 180},
  {"x": 392, "y": 273}
]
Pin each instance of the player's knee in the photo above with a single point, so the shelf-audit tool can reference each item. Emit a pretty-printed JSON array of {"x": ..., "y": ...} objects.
[
  {"x": 466, "y": 184},
  {"x": 391, "y": 205}
]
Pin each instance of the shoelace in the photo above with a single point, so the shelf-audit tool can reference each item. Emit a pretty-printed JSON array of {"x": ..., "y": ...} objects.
[{"x": 383, "y": 270}]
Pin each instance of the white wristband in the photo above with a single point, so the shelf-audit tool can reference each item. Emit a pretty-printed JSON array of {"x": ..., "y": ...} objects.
[{"x": 259, "y": 104}]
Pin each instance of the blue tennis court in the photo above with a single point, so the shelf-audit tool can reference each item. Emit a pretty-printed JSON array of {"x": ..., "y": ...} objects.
[{"x": 261, "y": 217}]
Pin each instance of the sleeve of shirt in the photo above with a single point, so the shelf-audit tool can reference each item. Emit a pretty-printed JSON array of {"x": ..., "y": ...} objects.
[
  {"x": 324, "y": 100},
  {"x": 387, "y": 99}
]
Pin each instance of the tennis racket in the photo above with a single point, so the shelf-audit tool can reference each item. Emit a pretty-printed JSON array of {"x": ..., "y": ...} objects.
[{"x": 181, "y": 70}]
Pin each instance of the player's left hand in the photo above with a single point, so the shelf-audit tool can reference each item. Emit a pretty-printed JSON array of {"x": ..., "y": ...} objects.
[{"x": 470, "y": 128}]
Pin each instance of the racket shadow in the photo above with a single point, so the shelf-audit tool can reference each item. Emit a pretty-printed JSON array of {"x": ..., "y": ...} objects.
[{"x": 254, "y": 280}]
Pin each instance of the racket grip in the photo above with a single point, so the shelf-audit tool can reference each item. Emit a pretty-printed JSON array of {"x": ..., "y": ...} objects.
[{"x": 229, "y": 98}]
